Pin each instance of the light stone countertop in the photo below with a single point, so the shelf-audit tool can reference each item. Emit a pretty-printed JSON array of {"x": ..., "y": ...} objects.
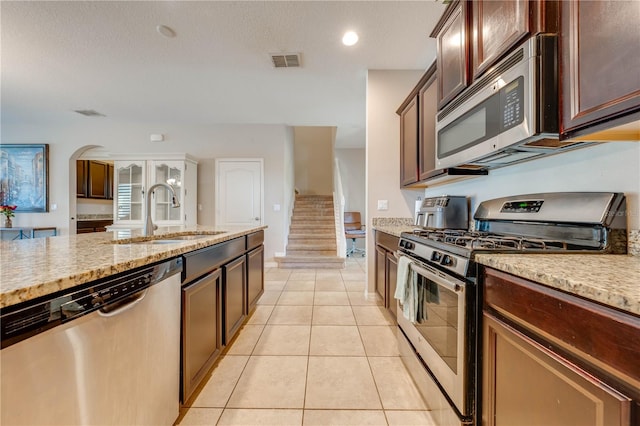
[
  {"x": 37, "y": 267},
  {"x": 612, "y": 280},
  {"x": 392, "y": 225}
]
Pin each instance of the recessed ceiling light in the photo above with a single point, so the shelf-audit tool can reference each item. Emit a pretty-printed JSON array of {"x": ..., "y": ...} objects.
[
  {"x": 166, "y": 31},
  {"x": 349, "y": 38}
]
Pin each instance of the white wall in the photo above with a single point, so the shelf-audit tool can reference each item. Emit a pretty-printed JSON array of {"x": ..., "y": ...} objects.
[
  {"x": 611, "y": 167},
  {"x": 386, "y": 90},
  {"x": 203, "y": 142},
  {"x": 352, "y": 171},
  {"x": 313, "y": 151}
]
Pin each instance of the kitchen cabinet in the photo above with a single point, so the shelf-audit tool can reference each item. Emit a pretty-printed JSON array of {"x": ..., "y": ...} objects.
[
  {"x": 98, "y": 180},
  {"x": 201, "y": 329},
  {"x": 386, "y": 268},
  {"x": 234, "y": 278},
  {"x": 255, "y": 269},
  {"x": 87, "y": 226},
  {"x": 94, "y": 179},
  {"x": 418, "y": 138},
  {"x": 452, "y": 52},
  {"x": 216, "y": 281},
  {"x": 82, "y": 173},
  {"x": 496, "y": 27},
  {"x": 134, "y": 177},
  {"x": 599, "y": 63},
  {"x": 417, "y": 131},
  {"x": 471, "y": 36},
  {"x": 409, "y": 143},
  {"x": 427, "y": 108},
  {"x": 553, "y": 358}
]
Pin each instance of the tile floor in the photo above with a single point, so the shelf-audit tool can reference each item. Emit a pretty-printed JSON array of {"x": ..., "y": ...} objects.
[{"x": 315, "y": 351}]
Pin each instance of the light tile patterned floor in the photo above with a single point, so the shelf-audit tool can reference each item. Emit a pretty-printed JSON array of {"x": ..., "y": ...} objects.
[{"x": 316, "y": 351}]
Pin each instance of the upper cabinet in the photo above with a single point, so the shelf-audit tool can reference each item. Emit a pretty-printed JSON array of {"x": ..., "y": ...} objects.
[
  {"x": 133, "y": 178},
  {"x": 409, "y": 143},
  {"x": 473, "y": 35},
  {"x": 452, "y": 54},
  {"x": 599, "y": 68},
  {"x": 428, "y": 106},
  {"x": 497, "y": 26},
  {"x": 94, "y": 179}
]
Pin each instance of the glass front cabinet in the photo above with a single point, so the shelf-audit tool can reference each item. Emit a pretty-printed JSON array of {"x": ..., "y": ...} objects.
[{"x": 134, "y": 177}]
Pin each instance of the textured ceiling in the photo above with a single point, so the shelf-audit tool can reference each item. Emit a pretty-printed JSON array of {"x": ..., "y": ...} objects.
[{"x": 62, "y": 56}]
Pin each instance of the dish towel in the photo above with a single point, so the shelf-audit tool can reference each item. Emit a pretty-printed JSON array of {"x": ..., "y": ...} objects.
[{"x": 407, "y": 288}]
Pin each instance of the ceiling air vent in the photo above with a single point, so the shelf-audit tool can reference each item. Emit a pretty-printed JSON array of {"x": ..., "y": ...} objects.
[
  {"x": 89, "y": 112},
  {"x": 285, "y": 60}
]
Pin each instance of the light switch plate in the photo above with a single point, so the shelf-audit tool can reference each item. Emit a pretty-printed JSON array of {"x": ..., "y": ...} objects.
[
  {"x": 276, "y": 207},
  {"x": 383, "y": 204}
]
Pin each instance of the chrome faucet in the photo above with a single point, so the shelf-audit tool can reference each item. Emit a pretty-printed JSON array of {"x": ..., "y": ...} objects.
[{"x": 149, "y": 227}]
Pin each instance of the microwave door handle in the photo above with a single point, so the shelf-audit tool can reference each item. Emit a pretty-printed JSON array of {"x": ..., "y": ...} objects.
[{"x": 451, "y": 286}]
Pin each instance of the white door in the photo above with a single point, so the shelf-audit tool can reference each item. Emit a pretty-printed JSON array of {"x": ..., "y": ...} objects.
[{"x": 239, "y": 192}]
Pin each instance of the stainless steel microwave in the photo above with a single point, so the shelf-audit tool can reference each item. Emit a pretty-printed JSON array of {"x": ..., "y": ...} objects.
[{"x": 509, "y": 115}]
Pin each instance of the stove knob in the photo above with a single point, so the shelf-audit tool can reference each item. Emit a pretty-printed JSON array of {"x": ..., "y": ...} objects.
[
  {"x": 446, "y": 260},
  {"x": 436, "y": 256}
]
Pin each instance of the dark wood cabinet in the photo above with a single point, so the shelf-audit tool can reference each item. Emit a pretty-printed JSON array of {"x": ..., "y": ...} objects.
[
  {"x": 82, "y": 174},
  {"x": 386, "y": 268},
  {"x": 94, "y": 179},
  {"x": 255, "y": 276},
  {"x": 471, "y": 36},
  {"x": 392, "y": 273},
  {"x": 97, "y": 185},
  {"x": 409, "y": 143},
  {"x": 234, "y": 277},
  {"x": 452, "y": 52},
  {"x": 600, "y": 66},
  {"x": 553, "y": 358},
  {"x": 496, "y": 27},
  {"x": 381, "y": 271},
  {"x": 87, "y": 226},
  {"x": 428, "y": 108},
  {"x": 201, "y": 330}
]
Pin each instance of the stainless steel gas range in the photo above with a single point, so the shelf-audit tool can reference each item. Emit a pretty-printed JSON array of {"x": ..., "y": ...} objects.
[{"x": 439, "y": 305}]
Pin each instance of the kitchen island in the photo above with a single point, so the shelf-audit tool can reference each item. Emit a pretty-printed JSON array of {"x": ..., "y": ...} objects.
[{"x": 38, "y": 267}]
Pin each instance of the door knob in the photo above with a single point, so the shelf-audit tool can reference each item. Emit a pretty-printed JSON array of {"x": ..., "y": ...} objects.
[{"x": 256, "y": 218}]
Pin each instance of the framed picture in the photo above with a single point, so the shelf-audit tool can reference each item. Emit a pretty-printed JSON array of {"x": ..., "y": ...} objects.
[{"x": 24, "y": 177}]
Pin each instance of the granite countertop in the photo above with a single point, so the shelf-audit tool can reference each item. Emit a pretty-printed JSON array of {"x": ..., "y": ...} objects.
[
  {"x": 392, "y": 225},
  {"x": 612, "y": 280},
  {"x": 41, "y": 266}
]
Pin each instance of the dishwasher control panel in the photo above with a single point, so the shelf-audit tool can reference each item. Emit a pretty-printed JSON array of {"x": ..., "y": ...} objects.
[{"x": 19, "y": 322}]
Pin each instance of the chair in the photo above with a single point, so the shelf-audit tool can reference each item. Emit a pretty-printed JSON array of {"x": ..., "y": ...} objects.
[{"x": 353, "y": 229}]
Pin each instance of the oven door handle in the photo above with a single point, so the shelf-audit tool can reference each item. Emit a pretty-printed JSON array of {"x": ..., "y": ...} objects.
[{"x": 444, "y": 283}]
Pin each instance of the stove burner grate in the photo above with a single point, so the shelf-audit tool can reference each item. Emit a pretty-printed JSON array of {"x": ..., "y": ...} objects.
[{"x": 474, "y": 240}]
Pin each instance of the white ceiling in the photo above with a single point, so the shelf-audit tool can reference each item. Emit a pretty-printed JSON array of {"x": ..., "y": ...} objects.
[{"x": 62, "y": 56}]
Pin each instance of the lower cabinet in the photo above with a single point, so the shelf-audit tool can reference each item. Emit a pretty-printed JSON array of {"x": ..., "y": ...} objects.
[
  {"x": 386, "y": 268},
  {"x": 201, "y": 329},
  {"x": 234, "y": 285},
  {"x": 255, "y": 276},
  {"x": 549, "y": 358},
  {"x": 221, "y": 284},
  {"x": 87, "y": 226},
  {"x": 392, "y": 272},
  {"x": 525, "y": 382}
]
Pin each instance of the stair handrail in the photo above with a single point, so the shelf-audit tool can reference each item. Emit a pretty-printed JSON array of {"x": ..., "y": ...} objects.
[{"x": 338, "y": 209}]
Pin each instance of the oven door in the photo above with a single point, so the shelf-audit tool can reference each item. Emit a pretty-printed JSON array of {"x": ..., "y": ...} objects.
[{"x": 441, "y": 337}]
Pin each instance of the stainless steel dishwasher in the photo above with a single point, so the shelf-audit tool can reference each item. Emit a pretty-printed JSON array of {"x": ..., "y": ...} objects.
[{"x": 106, "y": 353}]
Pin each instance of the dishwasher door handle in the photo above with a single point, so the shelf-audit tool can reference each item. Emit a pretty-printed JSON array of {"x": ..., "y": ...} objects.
[{"x": 123, "y": 305}]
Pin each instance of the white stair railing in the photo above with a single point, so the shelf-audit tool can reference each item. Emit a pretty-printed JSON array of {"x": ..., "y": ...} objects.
[{"x": 338, "y": 209}]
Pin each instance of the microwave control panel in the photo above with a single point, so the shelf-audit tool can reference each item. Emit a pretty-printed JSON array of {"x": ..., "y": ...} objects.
[{"x": 512, "y": 103}]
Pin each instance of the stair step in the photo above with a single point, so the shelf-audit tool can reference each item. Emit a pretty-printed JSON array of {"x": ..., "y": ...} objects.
[
  {"x": 313, "y": 227},
  {"x": 296, "y": 252},
  {"x": 312, "y": 245},
  {"x": 301, "y": 235},
  {"x": 313, "y": 212},
  {"x": 314, "y": 197},
  {"x": 317, "y": 262},
  {"x": 326, "y": 220}
]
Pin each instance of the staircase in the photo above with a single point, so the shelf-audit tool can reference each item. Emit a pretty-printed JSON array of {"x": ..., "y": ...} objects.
[{"x": 312, "y": 235}]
